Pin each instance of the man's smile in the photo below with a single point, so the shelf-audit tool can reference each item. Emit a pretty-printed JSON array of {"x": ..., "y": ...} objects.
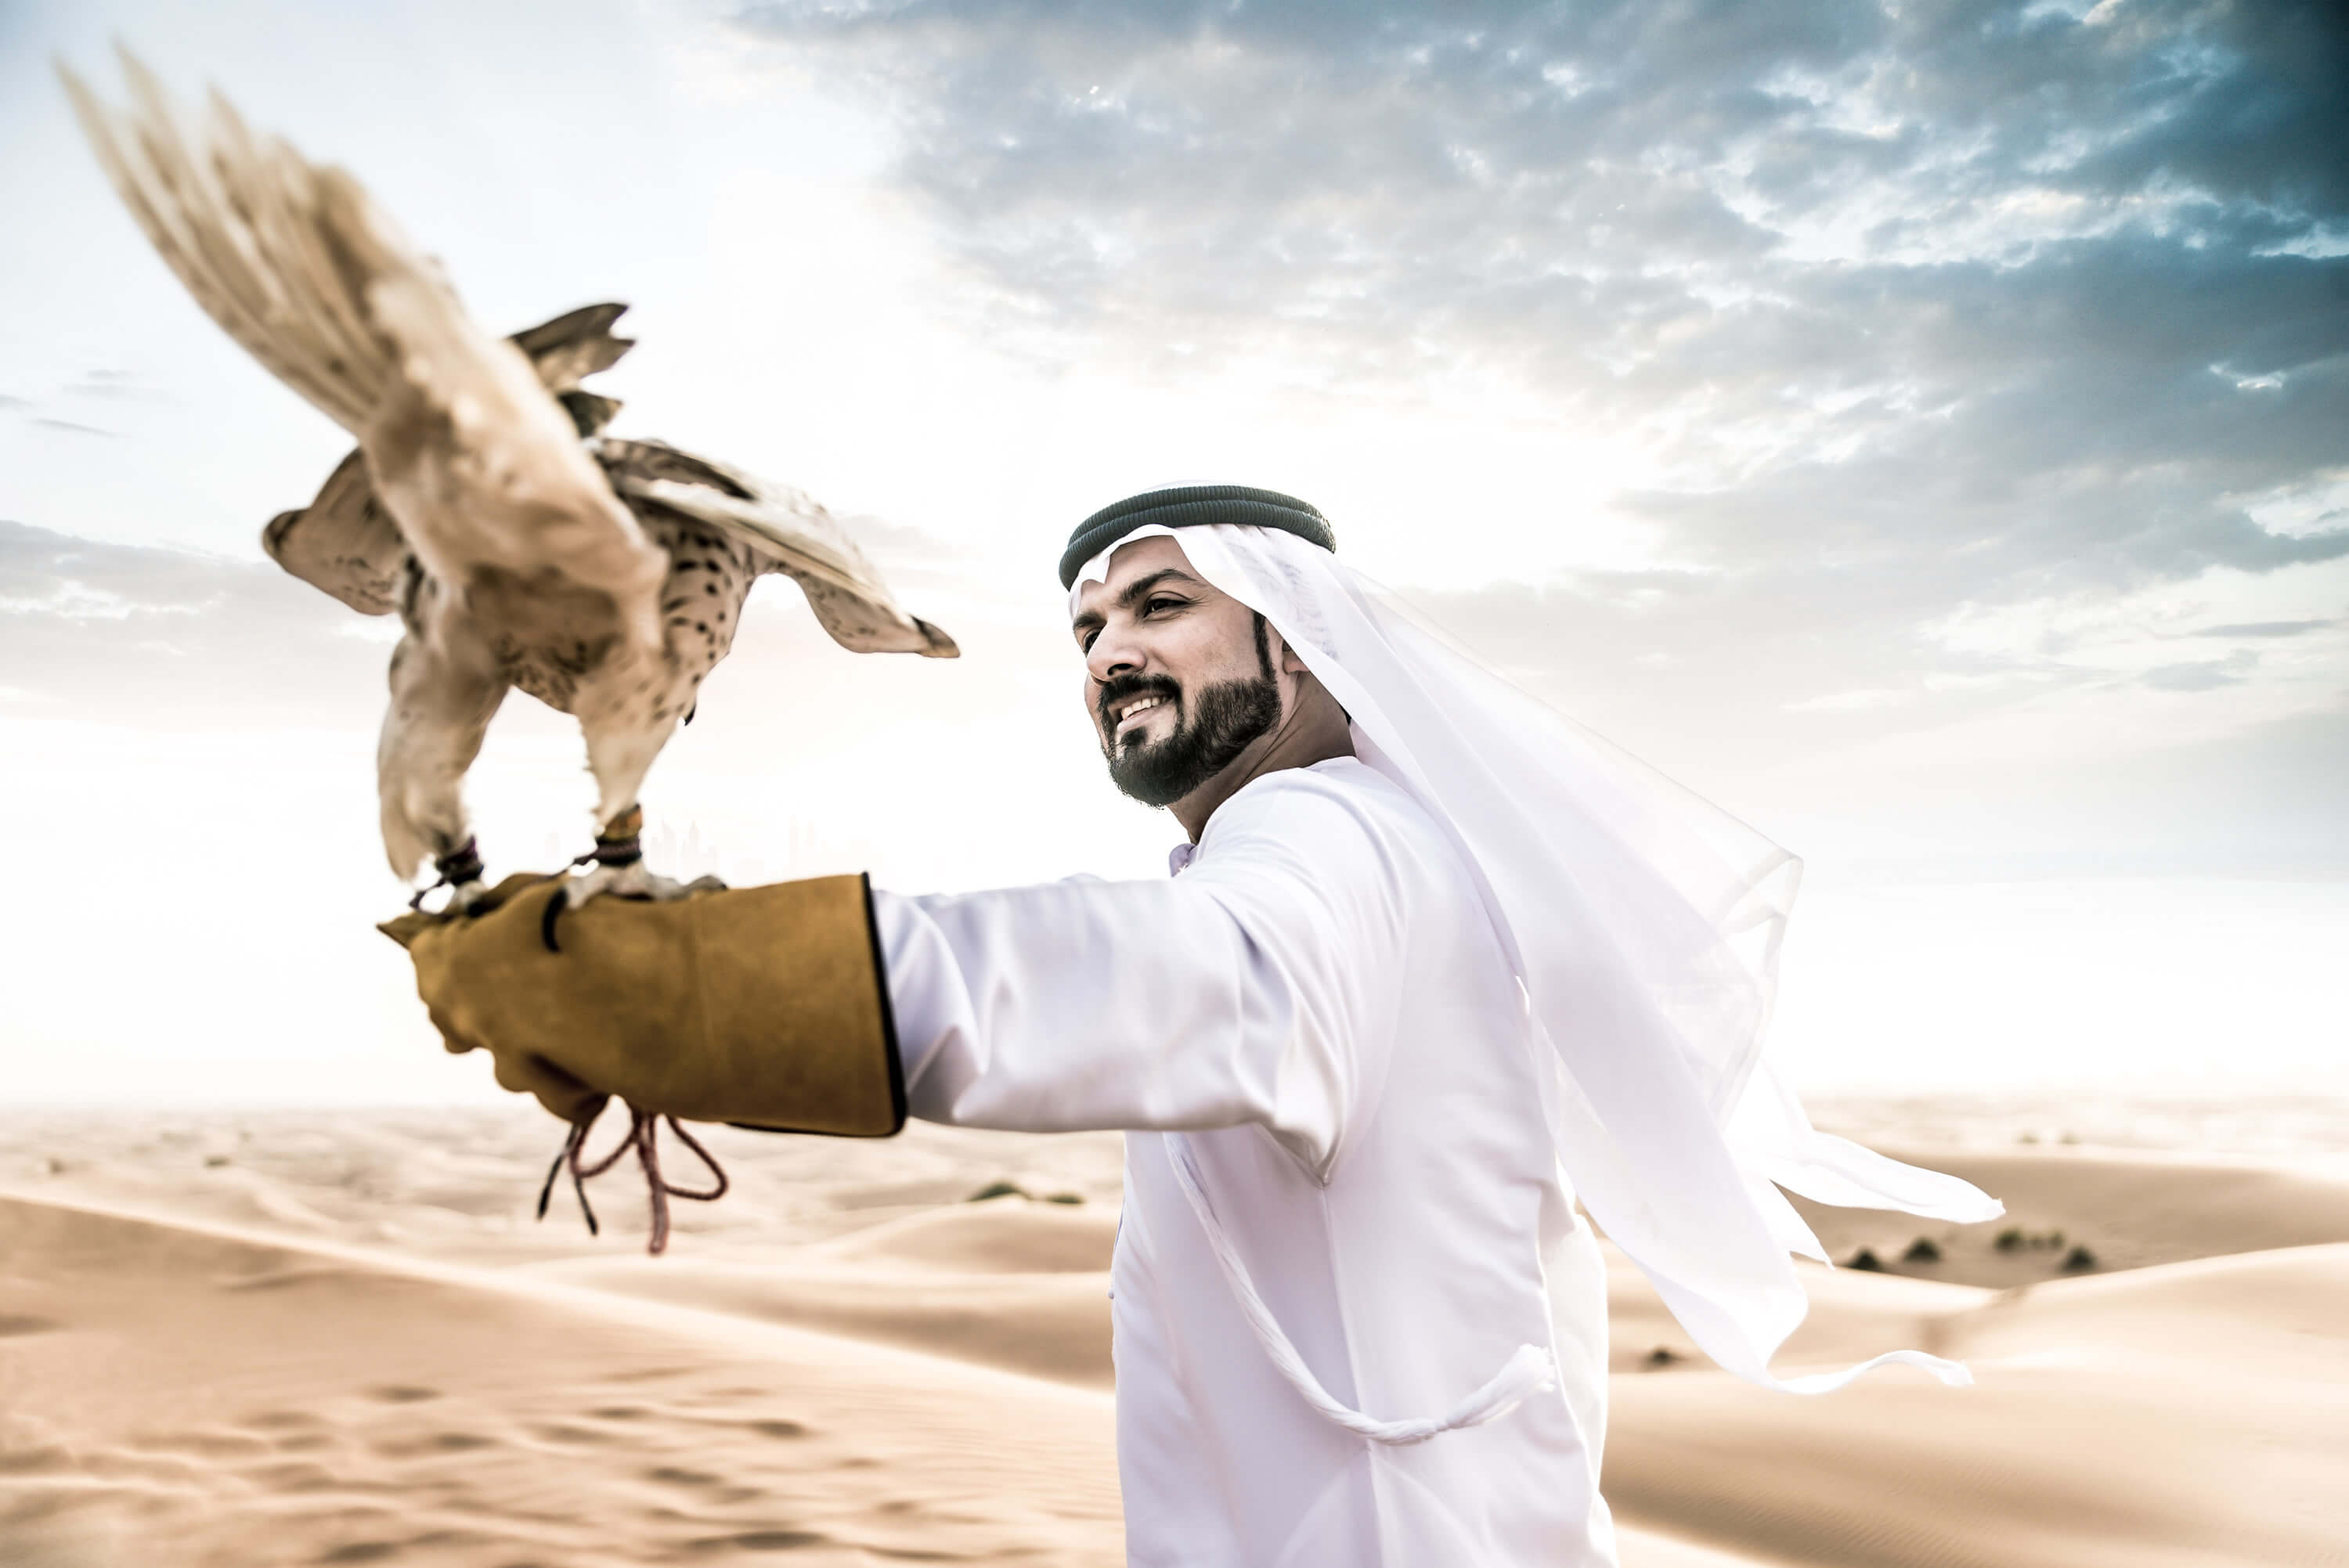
[{"x": 1129, "y": 711}]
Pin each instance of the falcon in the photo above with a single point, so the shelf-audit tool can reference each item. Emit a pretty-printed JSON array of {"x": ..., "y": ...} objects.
[{"x": 520, "y": 547}]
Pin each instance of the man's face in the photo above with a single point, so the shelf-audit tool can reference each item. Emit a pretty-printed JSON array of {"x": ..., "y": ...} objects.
[{"x": 1178, "y": 675}]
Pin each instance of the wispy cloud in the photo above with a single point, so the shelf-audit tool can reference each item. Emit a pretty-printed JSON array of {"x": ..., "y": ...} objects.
[
  {"x": 2207, "y": 676},
  {"x": 2014, "y": 317},
  {"x": 2267, "y": 629},
  {"x": 111, "y": 386},
  {"x": 1917, "y": 305},
  {"x": 74, "y": 425},
  {"x": 172, "y": 639}
]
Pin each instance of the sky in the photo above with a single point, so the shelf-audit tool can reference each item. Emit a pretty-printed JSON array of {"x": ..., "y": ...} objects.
[{"x": 1922, "y": 428}]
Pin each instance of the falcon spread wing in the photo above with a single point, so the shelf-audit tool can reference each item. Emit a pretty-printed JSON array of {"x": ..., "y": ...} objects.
[
  {"x": 606, "y": 577},
  {"x": 344, "y": 543}
]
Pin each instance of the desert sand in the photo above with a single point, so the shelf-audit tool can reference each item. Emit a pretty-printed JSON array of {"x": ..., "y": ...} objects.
[{"x": 262, "y": 1339}]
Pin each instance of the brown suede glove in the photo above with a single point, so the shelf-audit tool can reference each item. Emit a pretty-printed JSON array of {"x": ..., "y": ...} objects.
[{"x": 765, "y": 1006}]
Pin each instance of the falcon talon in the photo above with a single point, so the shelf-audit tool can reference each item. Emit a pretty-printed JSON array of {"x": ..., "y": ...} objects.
[
  {"x": 615, "y": 878},
  {"x": 461, "y": 873},
  {"x": 554, "y": 912}
]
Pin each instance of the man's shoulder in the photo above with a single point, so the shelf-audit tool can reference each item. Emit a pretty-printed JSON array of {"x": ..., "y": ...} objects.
[
  {"x": 1355, "y": 836},
  {"x": 1344, "y": 794}
]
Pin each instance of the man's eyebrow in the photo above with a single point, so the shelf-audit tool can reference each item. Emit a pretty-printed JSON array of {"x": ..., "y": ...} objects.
[
  {"x": 1133, "y": 593},
  {"x": 1136, "y": 592}
]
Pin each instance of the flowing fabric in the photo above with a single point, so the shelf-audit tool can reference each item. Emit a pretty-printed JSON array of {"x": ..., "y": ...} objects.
[{"x": 1644, "y": 924}]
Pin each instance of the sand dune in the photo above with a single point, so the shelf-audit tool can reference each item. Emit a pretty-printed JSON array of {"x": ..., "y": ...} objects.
[
  {"x": 1054, "y": 1326},
  {"x": 191, "y": 1394},
  {"x": 1005, "y": 1283},
  {"x": 2132, "y": 1208},
  {"x": 257, "y": 1340},
  {"x": 2187, "y": 1413},
  {"x": 2192, "y": 1414}
]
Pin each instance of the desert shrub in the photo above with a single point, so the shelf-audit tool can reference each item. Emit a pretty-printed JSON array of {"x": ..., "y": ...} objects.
[{"x": 997, "y": 1190}]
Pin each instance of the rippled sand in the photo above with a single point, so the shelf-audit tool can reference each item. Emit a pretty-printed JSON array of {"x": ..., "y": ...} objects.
[{"x": 259, "y": 1339}]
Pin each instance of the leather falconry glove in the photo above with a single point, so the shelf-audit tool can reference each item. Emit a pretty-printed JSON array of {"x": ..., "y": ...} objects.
[{"x": 764, "y": 1006}]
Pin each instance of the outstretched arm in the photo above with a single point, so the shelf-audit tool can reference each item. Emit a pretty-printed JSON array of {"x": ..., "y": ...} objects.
[
  {"x": 1259, "y": 987},
  {"x": 1252, "y": 988}
]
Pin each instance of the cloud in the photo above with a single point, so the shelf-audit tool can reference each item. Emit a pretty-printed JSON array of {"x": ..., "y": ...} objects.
[
  {"x": 2207, "y": 676},
  {"x": 2267, "y": 629},
  {"x": 172, "y": 639},
  {"x": 112, "y": 386},
  {"x": 1918, "y": 315},
  {"x": 2001, "y": 286},
  {"x": 74, "y": 425},
  {"x": 175, "y": 640},
  {"x": 102, "y": 385}
]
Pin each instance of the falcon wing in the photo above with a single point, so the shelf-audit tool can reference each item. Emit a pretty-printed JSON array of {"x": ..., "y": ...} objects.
[
  {"x": 236, "y": 218},
  {"x": 575, "y": 346},
  {"x": 790, "y": 531},
  {"x": 346, "y": 544},
  {"x": 479, "y": 467}
]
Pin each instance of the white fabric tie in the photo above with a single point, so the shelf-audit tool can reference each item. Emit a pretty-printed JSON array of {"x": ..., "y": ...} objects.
[{"x": 1532, "y": 1370}]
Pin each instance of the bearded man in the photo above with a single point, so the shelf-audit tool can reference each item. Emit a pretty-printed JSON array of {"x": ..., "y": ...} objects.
[{"x": 1433, "y": 967}]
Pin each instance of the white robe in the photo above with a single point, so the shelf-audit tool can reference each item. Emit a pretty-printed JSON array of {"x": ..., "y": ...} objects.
[{"x": 1319, "y": 1002}]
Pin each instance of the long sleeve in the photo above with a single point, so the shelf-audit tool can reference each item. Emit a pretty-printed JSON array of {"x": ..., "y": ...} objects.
[{"x": 1249, "y": 989}]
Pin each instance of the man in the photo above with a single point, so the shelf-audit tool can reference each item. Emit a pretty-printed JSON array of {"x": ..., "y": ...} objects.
[{"x": 1430, "y": 962}]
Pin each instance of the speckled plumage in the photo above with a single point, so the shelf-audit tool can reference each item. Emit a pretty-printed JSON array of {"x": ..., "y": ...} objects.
[{"x": 519, "y": 548}]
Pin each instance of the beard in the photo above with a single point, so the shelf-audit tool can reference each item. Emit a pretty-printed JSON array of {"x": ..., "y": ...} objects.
[{"x": 1209, "y": 733}]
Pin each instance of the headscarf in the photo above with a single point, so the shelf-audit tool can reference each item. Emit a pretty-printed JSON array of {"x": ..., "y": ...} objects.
[{"x": 1644, "y": 924}]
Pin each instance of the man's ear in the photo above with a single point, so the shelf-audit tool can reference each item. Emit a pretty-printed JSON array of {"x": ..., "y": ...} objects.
[{"x": 1285, "y": 661}]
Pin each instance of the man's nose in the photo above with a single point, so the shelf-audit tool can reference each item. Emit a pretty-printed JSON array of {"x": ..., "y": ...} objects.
[{"x": 1112, "y": 653}]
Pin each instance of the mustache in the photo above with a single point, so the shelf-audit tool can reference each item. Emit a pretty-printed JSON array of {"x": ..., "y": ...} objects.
[{"x": 1127, "y": 687}]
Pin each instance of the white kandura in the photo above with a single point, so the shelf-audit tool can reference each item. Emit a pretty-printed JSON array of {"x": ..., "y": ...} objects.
[
  {"x": 1395, "y": 1015},
  {"x": 1313, "y": 1023}
]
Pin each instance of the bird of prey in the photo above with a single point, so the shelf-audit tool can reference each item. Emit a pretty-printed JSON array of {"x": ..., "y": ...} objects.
[{"x": 520, "y": 547}]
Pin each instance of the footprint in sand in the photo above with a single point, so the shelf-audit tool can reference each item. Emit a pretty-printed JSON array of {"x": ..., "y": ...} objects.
[
  {"x": 425, "y": 1547},
  {"x": 45, "y": 1459},
  {"x": 434, "y": 1443},
  {"x": 674, "y": 1476},
  {"x": 216, "y": 1443},
  {"x": 403, "y": 1394},
  {"x": 271, "y": 1420},
  {"x": 760, "y": 1540},
  {"x": 563, "y": 1432},
  {"x": 295, "y": 1477}
]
